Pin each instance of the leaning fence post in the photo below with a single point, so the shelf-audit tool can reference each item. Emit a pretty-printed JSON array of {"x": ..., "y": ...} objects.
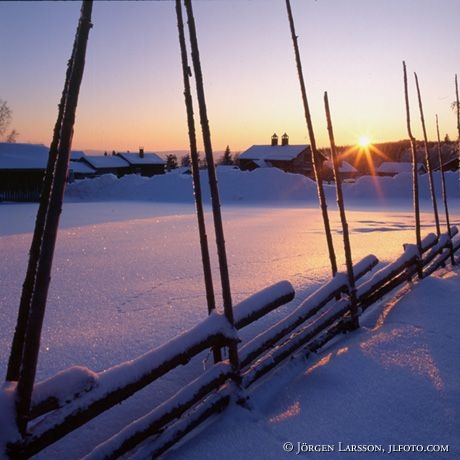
[
  {"x": 343, "y": 218},
  {"x": 216, "y": 211},
  {"x": 17, "y": 346},
  {"x": 444, "y": 192},
  {"x": 428, "y": 160},
  {"x": 206, "y": 262},
  {"x": 457, "y": 106},
  {"x": 314, "y": 151},
  {"x": 414, "y": 176},
  {"x": 42, "y": 280}
]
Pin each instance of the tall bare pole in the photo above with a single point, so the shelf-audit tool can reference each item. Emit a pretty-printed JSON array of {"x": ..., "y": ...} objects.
[
  {"x": 414, "y": 170},
  {"x": 215, "y": 199},
  {"x": 443, "y": 179},
  {"x": 206, "y": 262},
  {"x": 428, "y": 160},
  {"x": 343, "y": 218},
  {"x": 17, "y": 347},
  {"x": 315, "y": 154},
  {"x": 457, "y": 106},
  {"x": 43, "y": 273}
]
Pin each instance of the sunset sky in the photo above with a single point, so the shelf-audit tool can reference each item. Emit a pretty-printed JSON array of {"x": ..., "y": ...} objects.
[{"x": 132, "y": 91}]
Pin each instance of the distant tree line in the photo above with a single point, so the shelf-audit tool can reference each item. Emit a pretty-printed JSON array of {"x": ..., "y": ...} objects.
[
  {"x": 367, "y": 159},
  {"x": 227, "y": 159}
]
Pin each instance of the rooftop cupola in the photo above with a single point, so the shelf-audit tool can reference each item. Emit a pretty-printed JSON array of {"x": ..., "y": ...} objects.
[
  {"x": 285, "y": 139},
  {"x": 141, "y": 152},
  {"x": 274, "y": 139}
]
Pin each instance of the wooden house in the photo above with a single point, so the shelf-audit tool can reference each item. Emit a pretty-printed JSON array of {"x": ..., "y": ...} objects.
[
  {"x": 107, "y": 164},
  {"x": 346, "y": 171},
  {"x": 391, "y": 168},
  {"x": 22, "y": 168},
  {"x": 80, "y": 170},
  {"x": 289, "y": 158},
  {"x": 144, "y": 163}
]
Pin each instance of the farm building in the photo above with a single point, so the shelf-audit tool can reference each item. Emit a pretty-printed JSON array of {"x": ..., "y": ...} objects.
[
  {"x": 289, "y": 158},
  {"x": 391, "y": 168},
  {"x": 106, "y": 164},
  {"x": 80, "y": 170},
  {"x": 22, "y": 168},
  {"x": 119, "y": 164},
  {"x": 346, "y": 170},
  {"x": 144, "y": 163}
]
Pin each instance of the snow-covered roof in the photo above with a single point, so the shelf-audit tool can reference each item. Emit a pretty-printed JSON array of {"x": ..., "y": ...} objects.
[
  {"x": 77, "y": 154},
  {"x": 147, "y": 159},
  {"x": 103, "y": 161},
  {"x": 80, "y": 167},
  {"x": 394, "y": 167},
  {"x": 345, "y": 167},
  {"x": 273, "y": 152},
  {"x": 262, "y": 163},
  {"x": 23, "y": 156}
]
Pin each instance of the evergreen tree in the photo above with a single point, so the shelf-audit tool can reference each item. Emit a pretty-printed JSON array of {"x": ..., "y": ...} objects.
[
  {"x": 227, "y": 158},
  {"x": 171, "y": 162},
  {"x": 185, "y": 161}
]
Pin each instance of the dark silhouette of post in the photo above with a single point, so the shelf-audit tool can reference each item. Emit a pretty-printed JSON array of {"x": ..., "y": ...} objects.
[
  {"x": 414, "y": 172},
  {"x": 428, "y": 160},
  {"x": 314, "y": 151},
  {"x": 206, "y": 262},
  {"x": 457, "y": 106},
  {"x": 354, "y": 323},
  {"x": 215, "y": 199},
  {"x": 444, "y": 192},
  {"x": 17, "y": 347},
  {"x": 443, "y": 179},
  {"x": 56, "y": 196}
]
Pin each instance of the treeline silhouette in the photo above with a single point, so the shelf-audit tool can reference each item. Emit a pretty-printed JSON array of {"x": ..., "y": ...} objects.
[{"x": 367, "y": 159}]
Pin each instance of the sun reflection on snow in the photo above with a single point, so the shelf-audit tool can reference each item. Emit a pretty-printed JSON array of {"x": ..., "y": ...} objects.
[
  {"x": 322, "y": 362},
  {"x": 401, "y": 348},
  {"x": 291, "y": 411},
  {"x": 326, "y": 360}
]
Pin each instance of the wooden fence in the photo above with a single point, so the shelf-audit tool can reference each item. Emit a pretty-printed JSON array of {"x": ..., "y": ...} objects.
[
  {"x": 316, "y": 320},
  {"x": 20, "y": 195}
]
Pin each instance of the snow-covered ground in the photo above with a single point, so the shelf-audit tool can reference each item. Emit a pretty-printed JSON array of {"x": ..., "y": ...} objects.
[{"x": 127, "y": 277}]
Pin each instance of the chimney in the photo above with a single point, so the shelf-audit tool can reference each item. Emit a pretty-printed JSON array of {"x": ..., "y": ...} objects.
[
  {"x": 285, "y": 139},
  {"x": 141, "y": 152},
  {"x": 274, "y": 139}
]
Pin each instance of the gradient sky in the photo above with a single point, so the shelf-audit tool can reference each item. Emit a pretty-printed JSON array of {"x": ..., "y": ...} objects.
[{"x": 132, "y": 91}]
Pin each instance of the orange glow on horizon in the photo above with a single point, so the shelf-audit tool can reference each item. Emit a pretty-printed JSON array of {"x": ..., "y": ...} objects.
[
  {"x": 364, "y": 142},
  {"x": 366, "y": 154}
]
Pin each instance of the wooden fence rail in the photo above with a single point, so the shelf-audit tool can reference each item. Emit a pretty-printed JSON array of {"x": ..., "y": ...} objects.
[
  {"x": 119, "y": 382},
  {"x": 303, "y": 312},
  {"x": 316, "y": 320}
]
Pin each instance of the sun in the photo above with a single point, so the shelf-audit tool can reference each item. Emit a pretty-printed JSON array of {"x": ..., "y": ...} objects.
[{"x": 364, "y": 142}]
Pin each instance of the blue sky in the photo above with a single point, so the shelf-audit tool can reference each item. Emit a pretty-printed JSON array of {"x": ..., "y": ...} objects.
[{"x": 132, "y": 93}]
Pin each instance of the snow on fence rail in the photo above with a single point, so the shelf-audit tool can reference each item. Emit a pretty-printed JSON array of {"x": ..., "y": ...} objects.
[{"x": 77, "y": 395}]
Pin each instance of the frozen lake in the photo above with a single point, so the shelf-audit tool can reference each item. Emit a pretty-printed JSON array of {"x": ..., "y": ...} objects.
[{"x": 127, "y": 275}]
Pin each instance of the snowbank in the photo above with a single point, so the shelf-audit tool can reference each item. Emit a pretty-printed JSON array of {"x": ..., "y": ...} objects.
[
  {"x": 260, "y": 185},
  {"x": 391, "y": 387}
]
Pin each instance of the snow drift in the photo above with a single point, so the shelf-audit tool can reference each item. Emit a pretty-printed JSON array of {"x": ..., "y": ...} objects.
[{"x": 260, "y": 185}]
